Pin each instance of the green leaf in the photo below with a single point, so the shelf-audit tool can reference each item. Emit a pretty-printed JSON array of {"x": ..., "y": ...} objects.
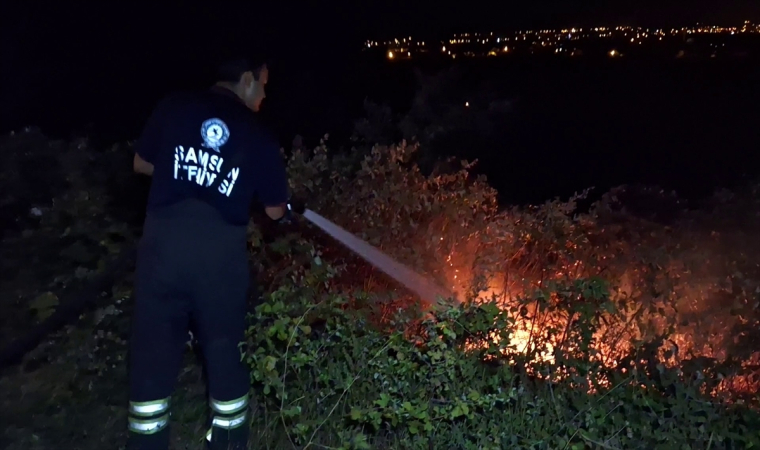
[
  {"x": 44, "y": 305},
  {"x": 383, "y": 400}
]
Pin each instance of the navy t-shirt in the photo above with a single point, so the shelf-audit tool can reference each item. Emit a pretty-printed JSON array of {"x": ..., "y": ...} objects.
[{"x": 209, "y": 146}]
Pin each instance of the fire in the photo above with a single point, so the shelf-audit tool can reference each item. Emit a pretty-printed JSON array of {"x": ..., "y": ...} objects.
[
  {"x": 661, "y": 282},
  {"x": 532, "y": 335}
]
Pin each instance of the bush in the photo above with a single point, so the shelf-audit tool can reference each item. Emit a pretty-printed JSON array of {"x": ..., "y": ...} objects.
[
  {"x": 57, "y": 226},
  {"x": 604, "y": 329},
  {"x": 329, "y": 379}
]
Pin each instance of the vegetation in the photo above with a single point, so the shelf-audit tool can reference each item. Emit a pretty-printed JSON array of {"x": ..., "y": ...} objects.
[
  {"x": 608, "y": 329},
  {"x": 630, "y": 324}
]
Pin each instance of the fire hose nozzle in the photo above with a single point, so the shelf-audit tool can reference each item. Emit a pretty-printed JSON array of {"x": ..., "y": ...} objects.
[{"x": 297, "y": 206}]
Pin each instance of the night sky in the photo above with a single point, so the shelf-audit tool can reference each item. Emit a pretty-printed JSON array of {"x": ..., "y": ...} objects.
[{"x": 56, "y": 56}]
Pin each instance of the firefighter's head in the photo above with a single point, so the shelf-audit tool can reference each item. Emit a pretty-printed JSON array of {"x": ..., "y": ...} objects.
[{"x": 245, "y": 78}]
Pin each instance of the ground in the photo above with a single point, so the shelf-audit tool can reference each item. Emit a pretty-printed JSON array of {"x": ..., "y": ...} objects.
[
  {"x": 58, "y": 233},
  {"x": 71, "y": 391}
]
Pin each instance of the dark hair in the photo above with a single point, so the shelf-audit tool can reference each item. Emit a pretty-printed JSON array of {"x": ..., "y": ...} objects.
[{"x": 231, "y": 70}]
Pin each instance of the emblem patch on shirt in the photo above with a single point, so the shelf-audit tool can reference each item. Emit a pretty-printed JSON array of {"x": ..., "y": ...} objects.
[{"x": 214, "y": 133}]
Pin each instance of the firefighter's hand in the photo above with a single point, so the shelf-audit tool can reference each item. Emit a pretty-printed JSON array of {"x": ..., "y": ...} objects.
[
  {"x": 293, "y": 209},
  {"x": 297, "y": 206},
  {"x": 272, "y": 229}
]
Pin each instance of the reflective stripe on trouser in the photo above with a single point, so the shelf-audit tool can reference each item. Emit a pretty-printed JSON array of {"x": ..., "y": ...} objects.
[
  {"x": 228, "y": 423},
  {"x": 148, "y": 417}
]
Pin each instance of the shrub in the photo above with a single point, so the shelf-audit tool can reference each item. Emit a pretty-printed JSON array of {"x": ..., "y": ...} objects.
[
  {"x": 675, "y": 279},
  {"x": 328, "y": 379},
  {"x": 603, "y": 329}
]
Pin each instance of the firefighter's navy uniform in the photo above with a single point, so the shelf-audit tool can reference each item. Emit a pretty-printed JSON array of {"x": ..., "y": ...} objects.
[{"x": 210, "y": 159}]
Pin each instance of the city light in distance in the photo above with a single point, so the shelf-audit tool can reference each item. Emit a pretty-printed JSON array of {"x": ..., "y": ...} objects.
[{"x": 565, "y": 42}]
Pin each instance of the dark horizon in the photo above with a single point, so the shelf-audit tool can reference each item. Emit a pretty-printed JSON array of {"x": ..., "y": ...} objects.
[
  {"x": 290, "y": 31},
  {"x": 58, "y": 57},
  {"x": 58, "y": 36},
  {"x": 69, "y": 67}
]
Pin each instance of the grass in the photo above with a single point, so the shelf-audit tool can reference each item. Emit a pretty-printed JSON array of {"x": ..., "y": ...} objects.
[{"x": 71, "y": 392}]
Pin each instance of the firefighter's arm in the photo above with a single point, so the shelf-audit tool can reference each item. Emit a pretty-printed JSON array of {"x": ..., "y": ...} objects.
[
  {"x": 142, "y": 166},
  {"x": 273, "y": 180}
]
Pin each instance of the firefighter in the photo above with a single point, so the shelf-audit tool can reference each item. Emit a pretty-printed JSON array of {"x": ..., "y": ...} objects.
[{"x": 208, "y": 158}]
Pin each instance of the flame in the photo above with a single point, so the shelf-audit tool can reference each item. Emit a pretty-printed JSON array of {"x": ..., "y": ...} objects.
[
  {"x": 705, "y": 339},
  {"x": 449, "y": 252}
]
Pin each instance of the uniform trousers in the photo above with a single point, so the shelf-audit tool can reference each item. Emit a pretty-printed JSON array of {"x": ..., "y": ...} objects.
[{"x": 192, "y": 266}]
